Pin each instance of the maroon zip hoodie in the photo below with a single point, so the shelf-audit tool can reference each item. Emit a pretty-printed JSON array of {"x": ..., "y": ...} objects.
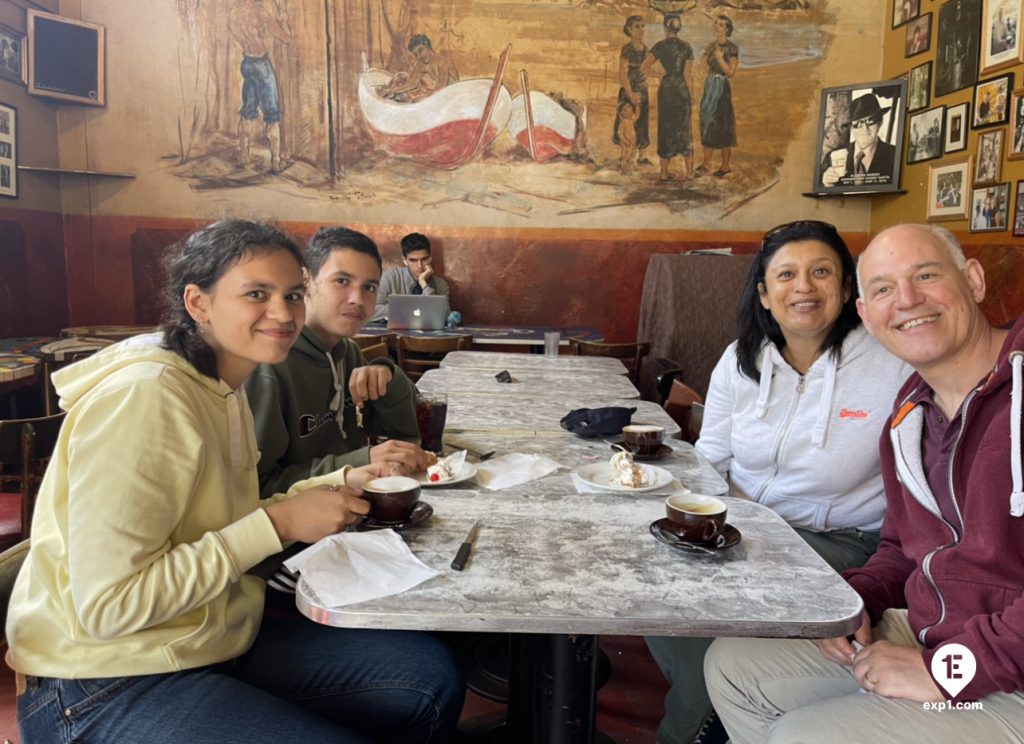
[{"x": 962, "y": 581}]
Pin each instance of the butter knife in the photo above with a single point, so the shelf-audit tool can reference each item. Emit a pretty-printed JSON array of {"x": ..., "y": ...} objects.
[{"x": 464, "y": 550}]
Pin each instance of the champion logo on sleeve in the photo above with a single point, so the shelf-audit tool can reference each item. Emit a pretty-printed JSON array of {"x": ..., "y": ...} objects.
[{"x": 852, "y": 413}]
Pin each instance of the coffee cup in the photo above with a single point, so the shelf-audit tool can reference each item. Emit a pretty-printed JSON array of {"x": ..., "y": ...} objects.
[
  {"x": 392, "y": 499},
  {"x": 695, "y": 517},
  {"x": 642, "y": 439},
  {"x": 837, "y": 160}
]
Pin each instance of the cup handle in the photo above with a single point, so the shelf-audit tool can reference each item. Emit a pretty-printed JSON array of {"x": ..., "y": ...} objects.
[{"x": 712, "y": 528}]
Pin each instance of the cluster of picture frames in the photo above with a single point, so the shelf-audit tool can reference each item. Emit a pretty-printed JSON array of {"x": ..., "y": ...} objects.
[
  {"x": 973, "y": 38},
  {"x": 58, "y": 57}
]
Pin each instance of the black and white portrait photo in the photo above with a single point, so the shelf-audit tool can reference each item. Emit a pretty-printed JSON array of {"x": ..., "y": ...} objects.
[
  {"x": 956, "y": 49},
  {"x": 925, "y": 140},
  {"x": 868, "y": 126}
]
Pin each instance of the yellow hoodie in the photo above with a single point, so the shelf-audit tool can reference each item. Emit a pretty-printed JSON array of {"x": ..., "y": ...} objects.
[{"x": 146, "y": 522}]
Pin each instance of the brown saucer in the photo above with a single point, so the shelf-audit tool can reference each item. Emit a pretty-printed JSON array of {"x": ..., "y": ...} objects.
[
  {"x": 662, "y": 451},
  {"x": 420, "y": 514},
  {"x": 662, "y": 533}
]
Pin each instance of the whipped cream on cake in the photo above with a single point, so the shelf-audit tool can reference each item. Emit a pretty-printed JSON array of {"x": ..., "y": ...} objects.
[
  {"x": 446, "y": 468},
  {"x": 627, "y": 473}
]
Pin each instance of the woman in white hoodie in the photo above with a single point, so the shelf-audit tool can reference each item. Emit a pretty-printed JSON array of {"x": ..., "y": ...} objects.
[
  {"x": 133, "y": 618},
  {"x": 793, "y": 415}
]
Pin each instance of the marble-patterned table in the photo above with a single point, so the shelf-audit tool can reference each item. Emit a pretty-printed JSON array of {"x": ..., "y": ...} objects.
[
  {"x": 516, "y": 363},
  {"x": 555, "y": 568},
  {"x": 550, "y": 560},
  {"x": 527, "y": 383},
  {"x": 540, "y": 416}
]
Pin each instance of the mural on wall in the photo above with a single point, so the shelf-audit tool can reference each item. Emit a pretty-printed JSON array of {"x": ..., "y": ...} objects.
[{"x": 524, "y": 110}]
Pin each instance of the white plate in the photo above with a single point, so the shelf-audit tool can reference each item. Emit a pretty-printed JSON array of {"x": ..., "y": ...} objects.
[
  {"x": 467, "y": 471},
  {"x": 599, "y": 475}
]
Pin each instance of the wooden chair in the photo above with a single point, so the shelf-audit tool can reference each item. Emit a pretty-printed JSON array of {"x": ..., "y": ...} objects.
[
  {"x": 10, "y": 563},
  {"x": 680, "y": 405},
  {"x": 632, "y": 354},
  {"x": 363, "y": 341},
  {"x": 25, "y": 449},
  {"x": 696, "y": 421},
  {"x": 417, "y": 354},
  {"x": 376, "y": 351}
]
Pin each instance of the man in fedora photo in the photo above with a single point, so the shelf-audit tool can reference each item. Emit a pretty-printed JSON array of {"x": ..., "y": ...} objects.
[{"x": 869, "y": 159}]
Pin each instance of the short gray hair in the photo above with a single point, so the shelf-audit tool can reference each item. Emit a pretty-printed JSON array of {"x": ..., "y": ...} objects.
[{"x": 946, "y": 239}]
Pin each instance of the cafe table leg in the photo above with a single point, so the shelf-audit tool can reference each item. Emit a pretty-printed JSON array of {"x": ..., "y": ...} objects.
[{"x": 553, "y": 690}]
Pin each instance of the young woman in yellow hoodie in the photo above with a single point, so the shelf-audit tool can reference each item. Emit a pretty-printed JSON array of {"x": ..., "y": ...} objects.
[{"x": 133, "y": 618}]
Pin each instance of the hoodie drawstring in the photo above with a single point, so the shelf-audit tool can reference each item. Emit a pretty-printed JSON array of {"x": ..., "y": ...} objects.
[
  {"x": 337, "y": 404},
  {"x": 764, "y": 388},
  {"x": 1017, "y": 497},
  {"x": 235, "y": 427},
  {"x": 828, "y": 389}
]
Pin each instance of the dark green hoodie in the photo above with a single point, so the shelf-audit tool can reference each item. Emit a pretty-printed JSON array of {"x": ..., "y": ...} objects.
[{"x": 303, "y": 428}]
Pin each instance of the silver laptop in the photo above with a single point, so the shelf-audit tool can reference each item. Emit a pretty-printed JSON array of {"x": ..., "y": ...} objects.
[{"x": 417, "y": 312}]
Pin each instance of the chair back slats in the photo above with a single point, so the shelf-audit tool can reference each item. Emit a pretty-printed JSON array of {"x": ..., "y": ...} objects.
[
  {"x": 633, "y": 353},
  {"x": 372, "y": 340},
  {"x": 376, "y": 351},
  {"x": 417, "y": 354}
]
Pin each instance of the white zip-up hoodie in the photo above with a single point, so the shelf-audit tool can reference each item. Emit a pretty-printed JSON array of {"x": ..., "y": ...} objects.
[{"x": 805, "y": 446}]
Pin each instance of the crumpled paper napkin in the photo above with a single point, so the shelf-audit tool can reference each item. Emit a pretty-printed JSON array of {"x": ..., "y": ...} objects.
[
  {"x": 513, "y": 469},
  {"x": 353, "y": 567}
]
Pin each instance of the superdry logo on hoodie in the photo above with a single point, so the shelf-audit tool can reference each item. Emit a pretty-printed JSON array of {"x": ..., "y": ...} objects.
[
  {"x": 308, "y": 423},
  {"x": 852, "y": 413}
]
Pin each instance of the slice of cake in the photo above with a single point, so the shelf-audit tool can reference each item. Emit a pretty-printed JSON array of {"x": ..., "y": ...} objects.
[{"x": 627, "y": 473}]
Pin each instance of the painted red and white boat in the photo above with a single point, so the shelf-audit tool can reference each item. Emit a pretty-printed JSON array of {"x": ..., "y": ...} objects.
[
  {"x": 444, "y": 130},
  {"x": 539, "y": 123}
]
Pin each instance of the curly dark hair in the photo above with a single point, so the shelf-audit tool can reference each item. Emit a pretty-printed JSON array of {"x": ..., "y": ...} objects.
[
  {"x": 754, "y": 323},
  {"x": 202, "y": 259}
]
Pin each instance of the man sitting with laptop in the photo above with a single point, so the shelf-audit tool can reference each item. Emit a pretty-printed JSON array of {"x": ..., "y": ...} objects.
[{"x": 417, "y": 277}]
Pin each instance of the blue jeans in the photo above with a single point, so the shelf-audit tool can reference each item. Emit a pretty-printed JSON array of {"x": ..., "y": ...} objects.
[{"x": 300, "y": 682}]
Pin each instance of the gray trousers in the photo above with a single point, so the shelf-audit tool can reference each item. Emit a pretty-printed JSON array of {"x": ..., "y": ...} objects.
[
  {"x": 786, "y": 692},
  {"x": 681, "y": 660}
]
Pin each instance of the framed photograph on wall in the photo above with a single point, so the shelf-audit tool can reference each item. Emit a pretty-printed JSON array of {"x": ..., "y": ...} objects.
[
  {"x": 1018, "y": 213},
  {"x": 860, "y": 138},
  {"x": 920, "y": 94},
  {"x": 956, "y": 46},
  {"x": 919, "y": 36},
  {"x": 904, "y": 10},
  {"x": 1000, "y": 35},
  {"x": 956, "y": 128},
  {"x": 925, "y": 141},
  {"x": 988, "y": 163},
  {"x": 1016, "y": 149},
  {"x": 990, "y": 206},
  {"x": 992, "y": 101},
  {"x": 8, "y": 151},
  {"x": 949, "y": 190},
  {"x": 12, "y": 55}
]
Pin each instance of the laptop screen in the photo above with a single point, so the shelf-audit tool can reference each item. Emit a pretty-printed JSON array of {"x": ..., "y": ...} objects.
[{"x": 417, "y": 312}]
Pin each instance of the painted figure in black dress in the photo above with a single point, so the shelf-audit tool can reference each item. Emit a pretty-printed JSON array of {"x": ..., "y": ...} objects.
[
  {"x": 633, "y": 87},
  {"x": 675, "y": 132}
]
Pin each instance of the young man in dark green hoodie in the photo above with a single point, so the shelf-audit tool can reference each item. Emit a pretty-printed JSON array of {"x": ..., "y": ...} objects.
[{"x": 305, "y": 407}]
